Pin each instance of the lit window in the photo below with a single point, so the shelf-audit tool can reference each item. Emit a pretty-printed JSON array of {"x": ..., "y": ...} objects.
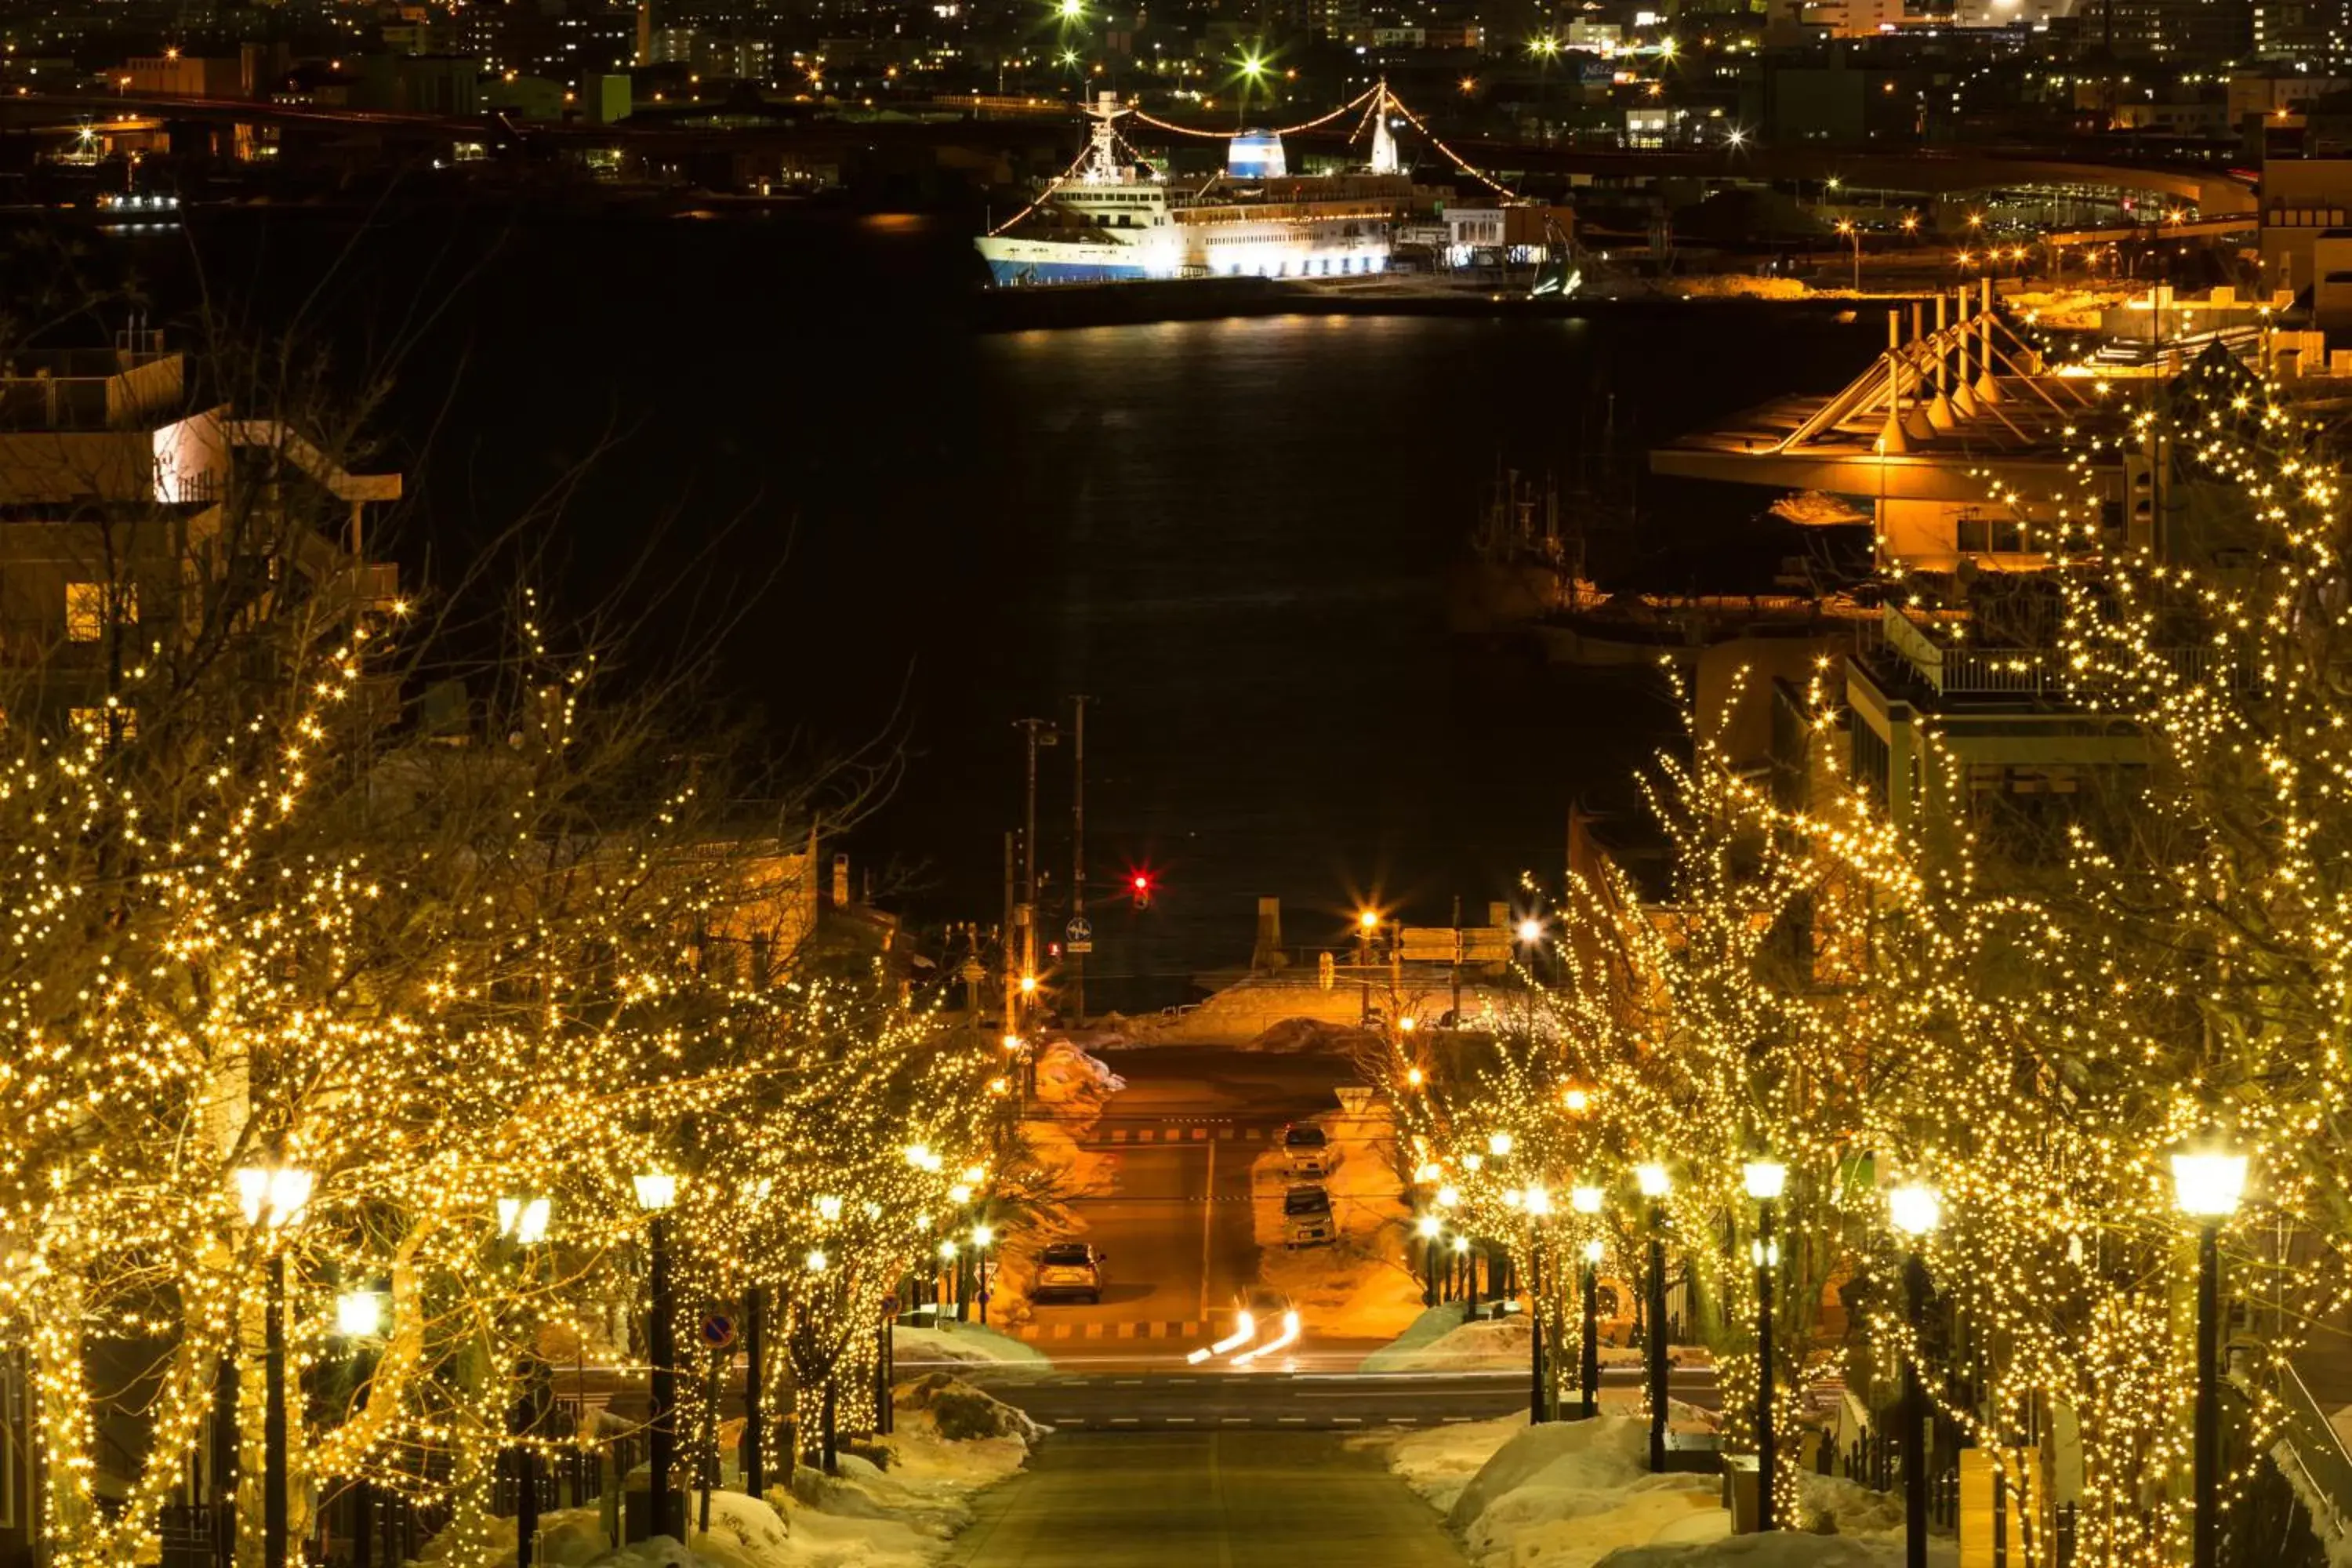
[{"x": 89, "y": 606}]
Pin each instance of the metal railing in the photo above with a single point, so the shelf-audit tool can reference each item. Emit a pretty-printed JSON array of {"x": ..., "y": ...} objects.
[
  {"x": 2315, "y": 1459},
  {"x": 2009, "y": 671}
]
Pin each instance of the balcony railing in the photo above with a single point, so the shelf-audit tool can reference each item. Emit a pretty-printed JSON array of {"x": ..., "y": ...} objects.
[{"x": 1951, "y": 671}]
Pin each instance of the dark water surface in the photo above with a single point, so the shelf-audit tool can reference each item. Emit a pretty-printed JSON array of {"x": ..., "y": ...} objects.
[{"x": 1235, "y": 535}]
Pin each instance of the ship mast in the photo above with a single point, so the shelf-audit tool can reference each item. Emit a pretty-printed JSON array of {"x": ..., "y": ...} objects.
[
  {"x": 1101, "y": 167},
  {"x": 1384, "y": 148}
]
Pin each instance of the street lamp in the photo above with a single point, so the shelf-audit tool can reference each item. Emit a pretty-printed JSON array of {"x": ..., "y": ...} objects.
[
  {"x": 656, "y": 1190},
  {"x": 1765, "y": 1180},
  {"x": 1915, "y": 1211},
  {"x": 2206, "y": 1187},
  {"x": 359, "y": 1314},
  {"x": 1586, "y": 1200},
  {"x": 980, "y": 1236},
  {"x": 1368, "y": 926},
  {"x": 1655, "y": 1183},
  {"x": 273, "y": 1197},
  {"x": 523, "y": 1222},
  {"x": 1427, "y": 1227},
  {"x": 1853, "y": 232}
]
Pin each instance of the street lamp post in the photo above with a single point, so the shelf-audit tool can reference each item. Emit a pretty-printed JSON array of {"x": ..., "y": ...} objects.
[
  {"x": 2206, "y": 1187},
  {"x": 1853, "y": 232},
  {"x": 1367, "y": 925},
  {"x": 1538, "y": 1204},
  {"x": 1655, "y": 1184},
  {"x": 980, "y": 1236},
  {"x": 656, "y": 1190},
  {"x": 522, "y": 1222},
  {"x": 1427, "y": 1227},
  {"x": 273, "y": 1197},
  {"x": 1915, "y": 1211},
  {"x": 1586, "y": 1201},
  {"x": 1765, "y": 1180}
]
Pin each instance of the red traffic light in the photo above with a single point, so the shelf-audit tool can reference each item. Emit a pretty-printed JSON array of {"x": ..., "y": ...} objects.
[
  {"x": 1142, "y": 883},
  {"x": 1138, "y": 885}
]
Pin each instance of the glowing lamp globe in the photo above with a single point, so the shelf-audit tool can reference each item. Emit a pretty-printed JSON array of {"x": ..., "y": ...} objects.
[
  {"x": 1539, "y": 1201},
  {"x": 1653, "y": 1180},
  {"x": 1447, "y": 1196},
  {"x": 982, "y": 1234},
  {"x": 1585, "y": 1200},
  {"x": 1531, "y": 931},
  {"x": 656, "y": 1190},
  {"x": 1592, "y": 1250},
  {"x": 1765, "y": 1179},
  {"x": 1500, "y": 1144},
  {"x": 816, "y": 1260},
  {"x": 359, "y": 1314},
  {"x": 1427, "y": 1225},
  {"x": 1915, "y": 1209},
  {"x": 2208, "y": 1186}
]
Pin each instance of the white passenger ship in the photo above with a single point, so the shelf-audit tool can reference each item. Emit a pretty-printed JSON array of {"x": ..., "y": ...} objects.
[{"x": 1108, "y": 221}]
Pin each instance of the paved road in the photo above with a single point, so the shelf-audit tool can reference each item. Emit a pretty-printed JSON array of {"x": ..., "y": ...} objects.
[
  {"x": 1203, "y": 1499},
  {"x": 1176, "y": 1222}
]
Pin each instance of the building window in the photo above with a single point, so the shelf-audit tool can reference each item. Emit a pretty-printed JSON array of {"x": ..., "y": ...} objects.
[
  {"x": 91, "y": 607},
  {"x": 1979, "y": 535}
]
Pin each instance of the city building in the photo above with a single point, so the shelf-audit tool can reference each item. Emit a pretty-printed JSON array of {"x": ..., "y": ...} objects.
[{"x": 134, "y": 511}]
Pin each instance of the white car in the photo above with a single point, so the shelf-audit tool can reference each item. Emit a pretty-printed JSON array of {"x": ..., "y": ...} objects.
[
  {"x": 1306, "y": 1218},
  {"x": 1307, "y": 1149},
  {"x": 1069, "y": 1271}
]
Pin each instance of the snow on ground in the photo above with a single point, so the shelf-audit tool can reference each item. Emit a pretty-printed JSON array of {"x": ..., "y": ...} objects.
[
  {"x": 1440, "y": 1340},
  {"x": 1069, "y": 1074},
  {"x": 965, "y": 1343},
  {"x": 1360, "y": 1286},
  {"x": 899, "y": 1516},
  {"x": 1579, "y": 1494}
]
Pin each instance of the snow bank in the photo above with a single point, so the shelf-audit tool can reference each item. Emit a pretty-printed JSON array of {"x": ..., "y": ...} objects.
[
  {"x": 1067, "y": 1074},
  {"x": 968, "y": 1344},
  {"x": 901, "y": 1515},
  {"x": 1579, "y": 1494},
  {"x": 1439, "y": 1341},
  {"x": 1781, "y": 1549},
  {"x": 1566, "y": 1494}
]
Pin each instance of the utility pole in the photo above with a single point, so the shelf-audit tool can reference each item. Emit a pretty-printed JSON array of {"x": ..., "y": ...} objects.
[
  {"x": 1012, "y": 949},
  {"x": 1078, "y": 854},
  {"x": 1039, "y": 732}
]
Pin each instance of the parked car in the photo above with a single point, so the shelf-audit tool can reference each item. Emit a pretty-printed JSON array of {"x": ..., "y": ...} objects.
[
  {"x": 1307, "y": 1149},
  {"x": 1306, "y": 1218},
  {"x": 1069, "y": 1271}
]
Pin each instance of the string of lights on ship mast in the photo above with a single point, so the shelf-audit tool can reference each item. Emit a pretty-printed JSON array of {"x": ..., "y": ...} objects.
[
  {"x": 1380, "y": 91},
  {"x": 1370, "y": 101}
]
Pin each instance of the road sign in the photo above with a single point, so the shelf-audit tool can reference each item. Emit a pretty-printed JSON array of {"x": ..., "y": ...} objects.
[
  {"x": 717, "y": 1330},
  {"x": 1079, "y": 934}
]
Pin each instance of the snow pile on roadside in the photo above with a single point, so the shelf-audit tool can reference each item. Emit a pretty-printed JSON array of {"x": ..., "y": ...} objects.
[
  {"x": 1067, "y": 1074},
  {"x": 1564, "y": 1494},
  {"x": 1579, "y": 1494},
  {"x": 1781, "y": 1549},
  {"x": 1439, "y": 1462},
  {"x": 1435, "y": 1324},
  {"x": 1440, "y": 1340},
  {"x": 966, "y": 1343}
]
